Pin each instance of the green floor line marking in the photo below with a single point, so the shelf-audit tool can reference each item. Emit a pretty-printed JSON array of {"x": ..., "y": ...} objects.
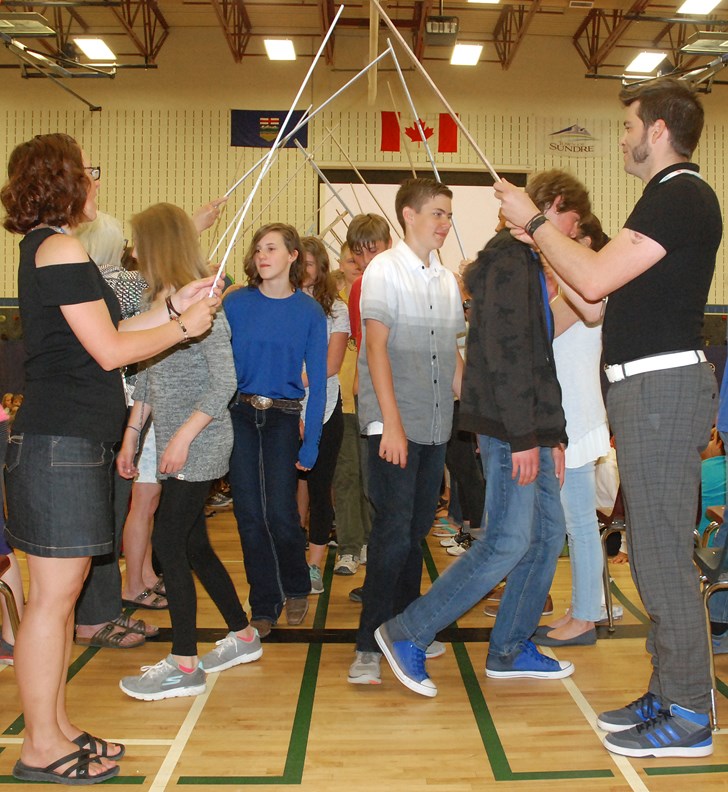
[
  {"x": 690, "y": 770},
  {"x": 489, "y": 734},
  {"x": 18, "y": 724},
  {"x": 296, "y": 754}
]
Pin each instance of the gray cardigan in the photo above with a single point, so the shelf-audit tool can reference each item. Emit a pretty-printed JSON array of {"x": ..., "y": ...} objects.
[{"x": 199, "y": 375}]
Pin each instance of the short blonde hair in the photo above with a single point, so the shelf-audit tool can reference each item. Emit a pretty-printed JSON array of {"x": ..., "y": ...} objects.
[{"x": 103, "y": 239}]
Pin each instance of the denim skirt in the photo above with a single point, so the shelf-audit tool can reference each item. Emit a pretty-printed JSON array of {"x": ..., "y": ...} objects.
[{"x": 59, "y": 492}]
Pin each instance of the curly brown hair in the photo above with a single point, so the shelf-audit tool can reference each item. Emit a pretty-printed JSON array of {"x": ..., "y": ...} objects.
[
  {"x": 323, "y": 289},
  {"x": 293, "y": 244},
  {"x": 47, "y": 183}
]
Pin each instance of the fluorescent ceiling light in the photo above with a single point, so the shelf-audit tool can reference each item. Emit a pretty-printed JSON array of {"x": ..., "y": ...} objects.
[
  {"x": 280, "y": 49},
  {"x": 646, "y": 62},
  {"x": 492, "y": 2},
  {"x": 706, "y": 43},
  {"x": 95, "y": 49},
  {"x": 466, "y": 54},
  {"x": 697, "y": 7},
  {"x": 27, "y": 24}
]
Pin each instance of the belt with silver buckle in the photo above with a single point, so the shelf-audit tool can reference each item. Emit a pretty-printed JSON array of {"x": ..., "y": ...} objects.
[
  {"x": 620, "y": 371},
  {"x": 265, "y": 402}
]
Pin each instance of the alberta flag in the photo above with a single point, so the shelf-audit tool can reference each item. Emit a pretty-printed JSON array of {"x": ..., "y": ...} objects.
[{"x": 260, "y": 127}]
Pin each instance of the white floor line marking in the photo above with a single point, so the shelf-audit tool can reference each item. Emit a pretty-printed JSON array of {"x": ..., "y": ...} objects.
[
  {"x": 19, "y": 741},
  {"x": 183, "y": 735},
  {"x": 631, "y": 776}
]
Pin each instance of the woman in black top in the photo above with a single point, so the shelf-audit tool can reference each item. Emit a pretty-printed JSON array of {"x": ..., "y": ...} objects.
[{"x": 60, "y": 457}]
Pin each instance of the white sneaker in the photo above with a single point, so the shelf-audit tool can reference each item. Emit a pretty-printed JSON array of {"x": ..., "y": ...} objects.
[
  {"x": 458, "y": 549},
  {"x": 363, "y": 555},
  {"x": 346, "y": 564},
  {"x": 365, "y": 669},
  {"x": 164, "y": 680},
  {"x": 435, "y": 649}
]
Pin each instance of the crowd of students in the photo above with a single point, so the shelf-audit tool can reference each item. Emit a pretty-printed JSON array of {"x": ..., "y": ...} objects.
[{"x": 280, "y": 382}]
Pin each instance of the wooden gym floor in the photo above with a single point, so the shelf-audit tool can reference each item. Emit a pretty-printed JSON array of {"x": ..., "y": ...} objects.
[{"x": 291, "y": 720}]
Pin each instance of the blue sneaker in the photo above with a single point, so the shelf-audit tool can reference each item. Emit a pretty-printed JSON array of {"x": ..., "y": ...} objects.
[
  {"x": 674, "y": 732},
  {"x": 529, "y": 662},
  {"x": 638, "y": 711},
  {"x": 407, "y": 661}
]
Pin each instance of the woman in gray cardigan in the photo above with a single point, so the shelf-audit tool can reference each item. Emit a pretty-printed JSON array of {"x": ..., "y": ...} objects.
[{"x": 188, "y": 389}]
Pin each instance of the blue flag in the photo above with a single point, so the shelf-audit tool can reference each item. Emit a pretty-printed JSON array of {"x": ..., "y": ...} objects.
[{"x": 260, "y": 127}]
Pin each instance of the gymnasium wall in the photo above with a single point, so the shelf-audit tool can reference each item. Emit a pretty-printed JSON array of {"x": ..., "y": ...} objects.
[{"x": 164, "y": 134}]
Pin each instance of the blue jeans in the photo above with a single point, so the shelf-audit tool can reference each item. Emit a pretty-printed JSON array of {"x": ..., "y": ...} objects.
[
  {"x": 263, "y": 480},
  {"x": 524, "y": 535},
  {"x": 404, "y": 503},
  {"x": 579, "y": 499}
]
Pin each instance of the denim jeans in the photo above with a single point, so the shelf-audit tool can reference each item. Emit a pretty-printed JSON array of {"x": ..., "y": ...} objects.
[
  {"x": 263, "y": 480},
  {"x": 404, "y": 502},
  {"x": 524, "y": 535},
  {"x": 579, "y": 498}
]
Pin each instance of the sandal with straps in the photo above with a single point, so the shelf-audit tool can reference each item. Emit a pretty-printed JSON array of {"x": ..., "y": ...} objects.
[
  {"x": 158, "y": 587},
  {"x": 97, "y": 746},
  {"x": 139, "y": 626},
  {"x": 140, "y": 601},
  {"x": 111, "y": 636},
  {"x": 79, "y": 768}
]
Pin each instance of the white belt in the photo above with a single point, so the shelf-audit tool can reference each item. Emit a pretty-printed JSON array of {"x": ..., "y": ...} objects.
[{"x": 620, "y": 371}]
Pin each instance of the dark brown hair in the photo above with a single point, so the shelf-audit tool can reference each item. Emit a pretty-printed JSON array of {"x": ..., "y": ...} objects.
[
  {"x": 46, "y": 183},
  {"x": 675, "y": 103},
  {"x": 590, "y": 226},
  {"x": 415, "y": 192},
  {"x": 323, "y": 289},
  {"x": 544, "y": 188},
  {"x": 293, "y": 245}
]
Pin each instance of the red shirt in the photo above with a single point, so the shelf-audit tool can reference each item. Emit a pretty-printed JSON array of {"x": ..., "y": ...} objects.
[{"x": 355, "y": 311}]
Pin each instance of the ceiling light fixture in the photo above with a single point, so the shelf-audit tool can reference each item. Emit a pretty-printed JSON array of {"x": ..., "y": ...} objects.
[
  {"x": 280, "y": 49},
  {"x": 95, "y": 49},
  {"x": 697, "y": 7},
  {"x": 645, "y": 63},
  {"x": 485, "y": 2},
  {"x": 466, "y": 54},
  {"x": 706, "y": 43}
]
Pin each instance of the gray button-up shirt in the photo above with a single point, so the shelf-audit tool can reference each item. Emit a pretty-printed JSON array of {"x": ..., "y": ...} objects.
[{"x": 422, "y": 308}]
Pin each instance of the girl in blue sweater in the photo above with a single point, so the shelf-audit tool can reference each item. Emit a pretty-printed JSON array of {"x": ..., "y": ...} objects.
[{"x": 276, "y": 328}]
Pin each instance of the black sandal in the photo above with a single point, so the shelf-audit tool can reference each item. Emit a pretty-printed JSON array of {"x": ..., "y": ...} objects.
[
  {"x": 98, "y": 746},
  {"x": 80, "y": 765}
]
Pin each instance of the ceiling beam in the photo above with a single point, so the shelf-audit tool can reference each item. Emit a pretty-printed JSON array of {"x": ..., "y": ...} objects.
[
  {"x": 511, "y": 29},
  {"x": 614, "y": 23},
  {"x": 328, "y": 12},
  {"x": 235, "y": 23},
  {"x": 144, "y": 24}
]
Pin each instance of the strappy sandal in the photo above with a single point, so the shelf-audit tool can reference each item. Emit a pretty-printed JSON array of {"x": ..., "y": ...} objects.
[
  {"x": 76, "y": 774},
  {"x": 97, "y": 746},
  {"x": 158, "y": 587},
  {"x": 111, "y": 636},
  {"x": 140, "y": 601},
  {"x": 138, "y": 626}
]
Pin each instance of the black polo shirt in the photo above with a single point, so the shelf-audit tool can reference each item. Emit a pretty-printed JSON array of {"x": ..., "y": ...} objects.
[{"x": 662, "y": 309}]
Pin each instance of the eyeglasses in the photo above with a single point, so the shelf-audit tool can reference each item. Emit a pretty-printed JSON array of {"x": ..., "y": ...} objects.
[{"x": 94, "y": 170}]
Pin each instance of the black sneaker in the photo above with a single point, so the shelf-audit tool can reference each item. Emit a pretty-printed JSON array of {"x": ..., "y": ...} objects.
[
  {"x": 356, "y": 594},
  {"x": 639, "y": 711},
  {"x": 674, "y": 732}
]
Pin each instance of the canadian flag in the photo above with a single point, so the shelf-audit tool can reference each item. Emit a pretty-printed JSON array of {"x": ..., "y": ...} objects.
[{"x": 447, "y": 133}]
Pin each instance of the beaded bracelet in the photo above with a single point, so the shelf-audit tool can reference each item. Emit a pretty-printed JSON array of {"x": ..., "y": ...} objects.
[{"x": 184, "y": 329}]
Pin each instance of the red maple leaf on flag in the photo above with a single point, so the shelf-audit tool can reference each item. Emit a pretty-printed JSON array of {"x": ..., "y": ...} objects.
[{"x": 414, "y": 134}]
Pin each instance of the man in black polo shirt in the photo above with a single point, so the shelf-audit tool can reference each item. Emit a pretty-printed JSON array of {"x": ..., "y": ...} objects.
[{"x": 657, "y": 272}]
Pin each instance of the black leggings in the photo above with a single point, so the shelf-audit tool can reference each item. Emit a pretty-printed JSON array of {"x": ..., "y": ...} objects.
[
  {"x": 321, "y": 477},
  {"x": 180, "y": 541}
]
